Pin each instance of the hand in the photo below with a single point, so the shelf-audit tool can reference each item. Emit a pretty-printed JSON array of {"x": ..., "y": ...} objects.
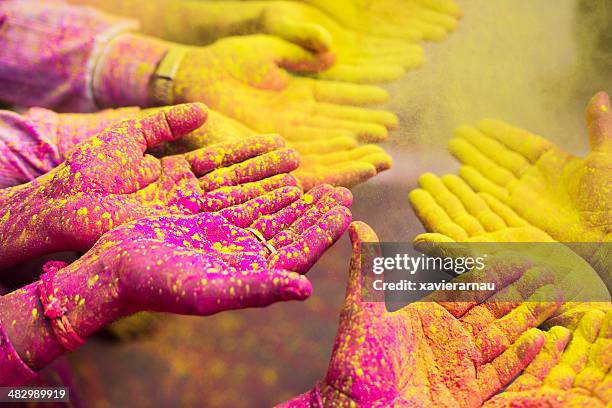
[
  {"x": 566, "y": 196},
  {"x": 107, "y": 180},
  {"x": 406, "y": 19},
  {"x": 338, "y": 161},
  {"x": 244, "y": 78},
  {"x": 571, "y": 370},
  {"x": 360, "y": 56},
  {"x": 428, "y": 353},
  {"x": 453, "y": 212},
  {"x": 190, "y": 264}
]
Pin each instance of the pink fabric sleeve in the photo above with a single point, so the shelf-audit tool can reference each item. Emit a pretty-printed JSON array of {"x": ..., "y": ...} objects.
[
  {"x": 49, "y": 51},
  {"x": 35, "y": 142},
  {"x": 13, "y": 371}
]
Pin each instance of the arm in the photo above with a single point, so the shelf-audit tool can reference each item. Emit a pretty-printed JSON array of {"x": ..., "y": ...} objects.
[
  {"x": 187, "y": 22},
  {"x": 35, "y": 142},
  {"x": 49, "y": 51}
]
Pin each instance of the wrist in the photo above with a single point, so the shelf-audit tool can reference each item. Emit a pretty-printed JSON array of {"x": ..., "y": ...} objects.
[
  {"x": 13, "y": 370},
  {"x": 124, "y": 71},
  {"x": 87, "y": 301}
]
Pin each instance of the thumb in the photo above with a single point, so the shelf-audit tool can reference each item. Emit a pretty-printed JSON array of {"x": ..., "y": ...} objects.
[
  {"x": 167, "y": 124},
  {"x": 360, "y": 233},
  {"x": 294, "y": 58},
  {"x": 170, "y": 279},
  {"x": 440, "y": 245},
  {"x": 252, "y": 289},
  {"x": 599, "y": 122},
  {"x": 311, "y": 36}
]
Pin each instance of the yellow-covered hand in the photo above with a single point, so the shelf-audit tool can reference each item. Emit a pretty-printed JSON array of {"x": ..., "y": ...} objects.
[
  {"x": 568, "y": 197},
  {"x": 245, "y": 78},
  {"x": 360, "y": 56},
  {"x": 338, "y": 161},
  {"x": 571, "y": 370},
  {"x": 452, "y": 212},
  {"x": 405, "y": 19}
]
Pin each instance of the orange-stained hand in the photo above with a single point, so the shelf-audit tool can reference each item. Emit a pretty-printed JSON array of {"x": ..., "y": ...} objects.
[
  {"x": 433, "y": 354},
  {"x": 571, "y": 370}
]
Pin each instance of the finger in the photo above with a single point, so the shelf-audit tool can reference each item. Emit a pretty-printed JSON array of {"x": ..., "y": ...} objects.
[
  {"x": 346, "y": 94},
  {"x": 437, "y": 18},
  {"x": 433, "y": 217},
  {"x": 344, "y": 174},
  {"x": 224, "y": 154},
  {"x": 556, "y": 340},
  {"x": 467, "y": 154},
  {"x": 248, "y": 289},
  {"x": 501, "y": 271},
  {"x": 306, "y": 134},
  {"x": 499, "y": 335},
  {"x": 443, "y": 6},
  {"x": 313, "y": 242},
  {"x": 451, "y": 204},
  {"x": 500, "y": 154},
  {"x": 528, "y": 145},
  {"x": 309, "y": 35},
  {"x": 354, "y": 114},
  {"x": 364, "y": 131},
  {"x": 243, "y": 215},
  {"x": 405, "y": 58},
  {"x": 284, "y": 227},
  {"x": 574, "y": 358},
  {"x": 324, "y": 145},
  {"x": 512, "y": 219},
  {"x": 372, "y": 154},
  {"x": 228, "y": 196},
  {"x": 429, "y": 31},
  {"x": 163, "y": 126},
  {"x": 599, "y": 122},
  {"x": 506, "y": 298},
  {"x": 296, "y": 58},
  {"x": 368, "y": 72},
  {"x": 599, "y": 358},
  {"x": 179, "y": 186},
  {"x": 272, "y": 224},
  {"x": 603, "y": 391},
  {"x": 474, "y": 204},
  {"x": 481, "y": 183},
  {"x": 258, "y": 168},
  {"x": 360, "y": 233},
  {"x": 493, "y": 376}
]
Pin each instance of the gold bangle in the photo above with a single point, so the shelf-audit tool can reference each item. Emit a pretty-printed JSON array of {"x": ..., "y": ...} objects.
[{"x": 162, "y": 82}]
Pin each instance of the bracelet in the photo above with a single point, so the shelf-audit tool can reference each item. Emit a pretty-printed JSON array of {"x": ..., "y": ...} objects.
[
  {"x": 54, "y": 311},
  {"x": 163, "y": 79}
]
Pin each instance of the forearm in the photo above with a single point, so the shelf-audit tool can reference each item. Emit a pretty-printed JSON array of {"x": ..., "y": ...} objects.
[
  {"x": 88, "y": 298},
  {"x": 49, "y": 53},
  {"x": 188, "y": 22}
]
